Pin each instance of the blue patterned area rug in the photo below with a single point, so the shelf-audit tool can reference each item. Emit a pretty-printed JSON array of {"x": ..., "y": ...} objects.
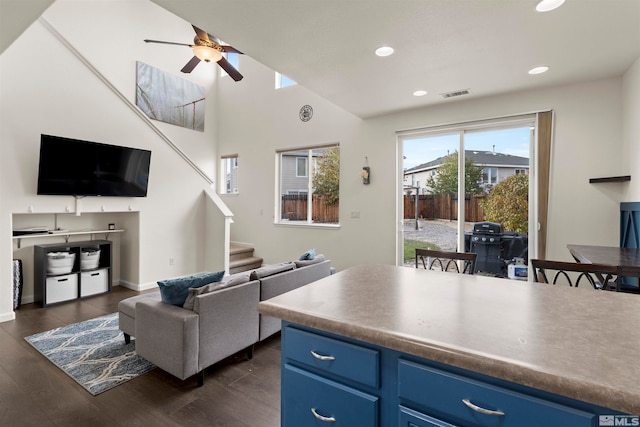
[{"x": 93, "y": 353}]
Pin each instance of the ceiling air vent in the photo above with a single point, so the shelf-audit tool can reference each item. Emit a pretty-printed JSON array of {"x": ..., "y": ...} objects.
[{"x": 455, "y": 93}]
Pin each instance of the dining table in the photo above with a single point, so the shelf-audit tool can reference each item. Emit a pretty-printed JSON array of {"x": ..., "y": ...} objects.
[{"x": 608, "y": 255}]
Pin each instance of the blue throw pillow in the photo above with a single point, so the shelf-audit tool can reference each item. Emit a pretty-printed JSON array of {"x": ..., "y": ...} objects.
[
  {"x": 175, "y": 291},
  {"x": 310, "y": 254}
]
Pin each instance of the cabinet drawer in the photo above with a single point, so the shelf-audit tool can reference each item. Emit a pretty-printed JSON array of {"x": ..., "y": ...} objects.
[
  {"x": 441, "y": 392},
  {"x": 311, "y": 400},
  {"x": 411, "y": 418},
  {"x": 94, "y": 282},
  {"x": 340, "y": 358},
  {"x": 62, "y": 288}
]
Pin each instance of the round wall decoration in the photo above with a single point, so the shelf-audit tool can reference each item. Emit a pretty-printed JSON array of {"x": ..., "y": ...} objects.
[{"x": 306, "y": 112}]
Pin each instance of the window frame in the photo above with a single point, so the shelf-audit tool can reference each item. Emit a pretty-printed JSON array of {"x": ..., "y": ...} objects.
[
  {"x": 280, "y": 191},
  {"x": 228, "y": 167}
]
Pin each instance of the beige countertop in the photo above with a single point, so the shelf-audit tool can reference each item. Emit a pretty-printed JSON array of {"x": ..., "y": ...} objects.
[{"x": 576, "y": 342}]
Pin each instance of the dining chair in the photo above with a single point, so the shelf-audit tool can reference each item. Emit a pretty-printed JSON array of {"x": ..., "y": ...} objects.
[
  {"x": 599, "y": 276},
  {"x": 447, "y": 261},
  {"x": 629, "y": 279}
]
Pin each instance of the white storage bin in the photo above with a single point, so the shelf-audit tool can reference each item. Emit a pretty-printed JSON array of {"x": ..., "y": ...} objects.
[
  {"x": 89, "y": 259},
  {"x": 60, "y": 262},
  {"x": 62, "y": 288},
  {"x": 94, "y": 282}
]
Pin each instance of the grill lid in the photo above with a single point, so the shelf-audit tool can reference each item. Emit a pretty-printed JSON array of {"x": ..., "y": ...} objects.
[{"x": 487, "y": 228}]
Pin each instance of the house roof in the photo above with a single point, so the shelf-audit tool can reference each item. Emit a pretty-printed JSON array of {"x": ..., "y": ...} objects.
[{"x": 480, "y": 158}]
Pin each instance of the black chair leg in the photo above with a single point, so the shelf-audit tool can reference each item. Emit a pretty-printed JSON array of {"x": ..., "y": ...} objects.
[
  {"x": 127, "y": 338},
  {"x": 200, "y": 376},
  {"x": 250, "y": 352}
]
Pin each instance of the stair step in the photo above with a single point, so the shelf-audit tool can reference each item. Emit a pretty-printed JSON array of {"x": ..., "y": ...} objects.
[{"x": 244, "y": 264}]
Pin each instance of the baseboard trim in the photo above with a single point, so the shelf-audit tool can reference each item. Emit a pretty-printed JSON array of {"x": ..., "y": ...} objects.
[{"x": 138, "y": 287}]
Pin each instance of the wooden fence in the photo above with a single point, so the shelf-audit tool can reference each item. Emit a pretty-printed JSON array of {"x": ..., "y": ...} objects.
[
  {"x": 444, "y": 206},
  {"x": 294, "y": 208}
]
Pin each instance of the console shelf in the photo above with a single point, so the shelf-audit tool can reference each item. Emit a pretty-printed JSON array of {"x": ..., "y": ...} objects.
[{"x": 64, "y": 234}]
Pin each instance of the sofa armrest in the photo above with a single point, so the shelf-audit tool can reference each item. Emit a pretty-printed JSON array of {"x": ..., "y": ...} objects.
[
  {"x": 228, "y": 321},
  {"x": 167, "y": 336}
]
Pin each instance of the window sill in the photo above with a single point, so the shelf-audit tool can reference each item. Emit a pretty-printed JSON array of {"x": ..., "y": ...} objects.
[{"x": 307, "y": 225}]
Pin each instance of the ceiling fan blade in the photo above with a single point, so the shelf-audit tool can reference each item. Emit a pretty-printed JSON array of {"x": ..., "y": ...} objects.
[
  {"x": 163, "y": 42},
  {"x": 230, "y": 49},
  {"x": 226, "y": 65},
  {"x": 202, "y": 35},
  {"x": 191, "y": 65}
]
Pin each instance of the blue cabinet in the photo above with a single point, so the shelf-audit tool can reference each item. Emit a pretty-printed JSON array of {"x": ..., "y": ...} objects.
[{"x": 329, "y": 380}]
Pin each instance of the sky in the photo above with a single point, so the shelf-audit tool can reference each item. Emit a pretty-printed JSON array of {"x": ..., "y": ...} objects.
[{"x": 506, "y": 141}]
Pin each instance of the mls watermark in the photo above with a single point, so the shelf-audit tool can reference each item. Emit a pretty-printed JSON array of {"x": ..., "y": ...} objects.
[{"x": 619, "y": 420}]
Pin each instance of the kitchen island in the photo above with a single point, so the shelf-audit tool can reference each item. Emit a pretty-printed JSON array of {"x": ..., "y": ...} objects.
[{"x": 402, "y": 332}]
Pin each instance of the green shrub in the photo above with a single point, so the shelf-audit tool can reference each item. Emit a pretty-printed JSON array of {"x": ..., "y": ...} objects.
[{"x": 508, "y": 204}]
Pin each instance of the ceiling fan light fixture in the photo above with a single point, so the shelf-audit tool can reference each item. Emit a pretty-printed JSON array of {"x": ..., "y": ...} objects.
[
  {"x": 207, "y": 54},
  {"x": 548, "y": 5}
]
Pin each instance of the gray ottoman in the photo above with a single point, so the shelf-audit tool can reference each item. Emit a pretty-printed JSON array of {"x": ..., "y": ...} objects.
[{"x": 127, "y": 313}]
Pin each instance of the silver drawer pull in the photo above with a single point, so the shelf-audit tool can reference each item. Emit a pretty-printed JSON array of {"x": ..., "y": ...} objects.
[
  {"x": 321, "y": 418},
  {"x": 321, "y": 357},
  {"x": 477, "y": 408}
]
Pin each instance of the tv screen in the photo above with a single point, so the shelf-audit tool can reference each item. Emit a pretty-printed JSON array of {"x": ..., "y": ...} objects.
[{"x": 72, "y": 167}]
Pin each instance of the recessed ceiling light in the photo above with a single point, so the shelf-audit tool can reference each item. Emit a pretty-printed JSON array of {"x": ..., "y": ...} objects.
[
  {"x": 539, "y": 70},
  {"x": 384, "y": 51},
  {"x": 547, "y": 5},
  {"x": 420, "y": 93}
]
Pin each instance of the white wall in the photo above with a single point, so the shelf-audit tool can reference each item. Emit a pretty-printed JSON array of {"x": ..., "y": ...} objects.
[
  {"x": 46, "y": 89},
  {"x": 631, "y": 130}
]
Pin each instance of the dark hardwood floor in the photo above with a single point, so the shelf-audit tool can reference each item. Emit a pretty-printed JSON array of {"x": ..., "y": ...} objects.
[{"x": 34, "y": 392}]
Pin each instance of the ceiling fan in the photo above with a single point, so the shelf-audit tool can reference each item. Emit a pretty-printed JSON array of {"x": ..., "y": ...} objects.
[{"x": 207, "y": 48}]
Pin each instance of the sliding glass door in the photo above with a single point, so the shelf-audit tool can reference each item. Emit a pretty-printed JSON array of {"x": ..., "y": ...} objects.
[{"x": 456, "y": 176}]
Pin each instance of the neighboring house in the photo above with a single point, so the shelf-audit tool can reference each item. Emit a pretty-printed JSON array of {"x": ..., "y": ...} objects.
[
  {"x": 295, "y": 172},
  {"x": 496, "y": 167}
]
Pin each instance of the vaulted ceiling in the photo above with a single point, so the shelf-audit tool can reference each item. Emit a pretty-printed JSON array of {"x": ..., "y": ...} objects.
[{"x": 483, "y": 46}]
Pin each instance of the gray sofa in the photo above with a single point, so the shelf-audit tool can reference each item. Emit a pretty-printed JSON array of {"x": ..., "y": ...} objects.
[{"x": 223, "y": 321}]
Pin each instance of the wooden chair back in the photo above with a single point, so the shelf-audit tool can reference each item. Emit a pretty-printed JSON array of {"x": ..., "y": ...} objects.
[
  {"x": 598, "y": 276},
  {"x": 446, "y": 261}
]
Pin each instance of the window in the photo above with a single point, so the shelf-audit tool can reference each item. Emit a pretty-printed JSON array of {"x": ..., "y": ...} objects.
[
  {"x": 232, "y": 57},
  {"x": 229, "y": 174},
  {"x": 490, "y": 175},
  {"x": 301, "y": 167},
  {"x": 309, "y": 185},
  {"x": 283, "y": 81},
  {"x": 521, "y": 171}
]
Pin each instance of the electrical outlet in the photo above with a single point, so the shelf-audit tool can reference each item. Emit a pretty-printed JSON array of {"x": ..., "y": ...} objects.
[{"x": 171, "y": 261}]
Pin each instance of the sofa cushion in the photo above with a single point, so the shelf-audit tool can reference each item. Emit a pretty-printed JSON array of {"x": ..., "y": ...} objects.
[
  {"x": 237, "y": 278},
  {"x": 128, "y": 306},
  {"x": 304, "y": 263},
  {"x": 175, "y": 291},
  {"x": 233, "y": 280},
  {"x": 270, "y": 270},
  {"x": 310, "y": 254}
]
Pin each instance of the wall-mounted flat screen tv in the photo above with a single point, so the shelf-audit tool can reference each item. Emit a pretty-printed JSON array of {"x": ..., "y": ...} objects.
[{"x": 73, "y": 167}]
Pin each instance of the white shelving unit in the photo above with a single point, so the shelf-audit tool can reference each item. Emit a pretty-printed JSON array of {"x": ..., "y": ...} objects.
[{"x": 64, "y": 234}]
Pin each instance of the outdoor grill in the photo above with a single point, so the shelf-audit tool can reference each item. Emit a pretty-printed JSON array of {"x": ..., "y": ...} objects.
[
  {"x": 495, "y": 247},
  {"x": 486, "y": 241}
]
